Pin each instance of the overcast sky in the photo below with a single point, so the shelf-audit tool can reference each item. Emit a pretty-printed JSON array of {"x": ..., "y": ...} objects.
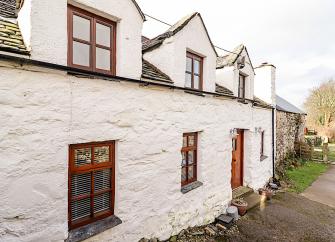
[{"x": 297, "y": 36}]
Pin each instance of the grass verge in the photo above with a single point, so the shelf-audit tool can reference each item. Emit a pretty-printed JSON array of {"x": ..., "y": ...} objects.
[{"x": 302, "y": 177}]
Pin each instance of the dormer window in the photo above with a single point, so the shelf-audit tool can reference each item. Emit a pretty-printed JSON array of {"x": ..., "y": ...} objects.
[
  {"x": 91, "y": 41},
  {"x": 241, "y": 86},
  {"x": 193, "y": 74}
]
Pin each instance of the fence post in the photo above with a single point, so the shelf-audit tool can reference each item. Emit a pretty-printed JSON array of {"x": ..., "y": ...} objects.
[{"x": 325, "y": 151}]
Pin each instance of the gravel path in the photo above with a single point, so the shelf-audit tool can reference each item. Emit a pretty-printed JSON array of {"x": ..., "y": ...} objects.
[{"x": 288, "y": 217}]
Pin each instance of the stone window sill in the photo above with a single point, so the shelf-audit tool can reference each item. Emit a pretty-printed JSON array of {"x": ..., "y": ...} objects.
[
  {"x": 190, "y": 187},
  {"x": 89, "y": 230},
  {"x": 263, "y": 157}
]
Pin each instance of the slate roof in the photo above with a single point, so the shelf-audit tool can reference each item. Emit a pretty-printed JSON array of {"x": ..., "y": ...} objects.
[
  {"x": 223, "y": 90},
  {"x": 11, "y": 38},
  {"x": 157, "y": 41},
  {"x": 152, "y": 72},
  {"x": 144, "y": 39},
  {"x": 285, "y": 106},
  {"x": 230, "y": 59},
  {"x": 8, "y": 8}
]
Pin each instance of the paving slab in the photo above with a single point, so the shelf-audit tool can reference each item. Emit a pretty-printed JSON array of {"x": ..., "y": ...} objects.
[{"x": 323, "y": 189}]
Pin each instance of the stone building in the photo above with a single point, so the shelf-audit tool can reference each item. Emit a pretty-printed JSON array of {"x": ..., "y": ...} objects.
[
  {"x": 107, "y": 140},
  {"x": 290, "y": 128}
]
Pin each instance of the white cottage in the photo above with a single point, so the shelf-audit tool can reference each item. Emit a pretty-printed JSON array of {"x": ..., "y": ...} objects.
[{"x": 105, "y": 140}]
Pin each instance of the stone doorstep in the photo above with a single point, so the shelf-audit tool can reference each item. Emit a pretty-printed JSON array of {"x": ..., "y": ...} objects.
[{"x": 242, "y": 192}]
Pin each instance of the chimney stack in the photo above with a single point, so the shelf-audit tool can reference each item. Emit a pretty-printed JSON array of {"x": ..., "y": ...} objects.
[{"x": 265, "y": 83}]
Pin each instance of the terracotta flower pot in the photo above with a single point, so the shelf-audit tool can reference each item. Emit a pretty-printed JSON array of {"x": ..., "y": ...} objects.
[
  {"x": 241, "y": 206},
  {"x": 268, "y": 193}
]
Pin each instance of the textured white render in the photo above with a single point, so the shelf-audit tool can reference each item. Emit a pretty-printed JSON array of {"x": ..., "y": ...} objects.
[
  {"x": 170, "y": 57},
  {"x": 265, "y": 87},
  {"x": 44, "y": 28},
  {"x": 229, "y": 76},
  {"x": 42, "y": 112}
]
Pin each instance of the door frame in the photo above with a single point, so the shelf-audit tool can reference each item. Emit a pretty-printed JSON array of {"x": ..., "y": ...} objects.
[{"x": 239, "y": 132}]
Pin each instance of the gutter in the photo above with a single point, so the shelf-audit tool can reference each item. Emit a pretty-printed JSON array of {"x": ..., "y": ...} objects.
[{"x": 76, "y": 71}]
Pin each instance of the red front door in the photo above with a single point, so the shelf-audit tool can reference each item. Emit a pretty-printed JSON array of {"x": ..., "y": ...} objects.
[{"x": 237, "y": 160}]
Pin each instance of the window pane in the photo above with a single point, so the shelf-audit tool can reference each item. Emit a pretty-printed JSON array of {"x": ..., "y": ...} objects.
[
  {"x": 188, "y": 80},
  {"x": 103, "y": 59},
  {"x": 82, "y": 156},
  {"x": 101, "y": 154},
  {"x": 196, "y": 67},
  {"x": 190, "y": 172},
  {"x": 102, "y": 202},
  {"x": 183, "y": 174},
  {"x": 190, "y": 157},
  {"x": 184, "y": 141},
  {"x": 81, "y": 28},
  {"x": 102, "y": 180},
  {"x": 183, "y": 161},
  {"x": 81, "y": 184},
  {"x": 81, "y": 54},
  {"x": 103, "y": 35},
  {"x": 191, "y": 140},
  {"x": 80, "y": 208},
  {"x": 196, "y": 82},
  {"x": 188, "y": 64}
]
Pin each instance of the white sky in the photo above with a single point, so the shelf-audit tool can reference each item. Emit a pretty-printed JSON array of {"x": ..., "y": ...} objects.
[{"x": 297, "y": 36}]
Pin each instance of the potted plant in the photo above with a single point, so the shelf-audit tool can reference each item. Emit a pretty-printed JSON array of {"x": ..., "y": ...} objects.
[
  {"x": 267, "y": 192},
  {"x": 241, "y": 205}
]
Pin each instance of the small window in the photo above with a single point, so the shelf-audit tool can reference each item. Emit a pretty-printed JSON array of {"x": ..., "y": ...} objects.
[
  {"x": 193, "y": 74},
  {"x": 241, "y": 86},
  {"x": 91, "y": 182},
  {"x": 262, "y": 143},
  {"x": 91, "y": 41},
  {"x": 189, "y": 158}
]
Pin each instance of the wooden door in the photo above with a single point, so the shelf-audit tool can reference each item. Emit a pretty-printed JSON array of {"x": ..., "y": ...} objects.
[{"x": 237, "y": 160}]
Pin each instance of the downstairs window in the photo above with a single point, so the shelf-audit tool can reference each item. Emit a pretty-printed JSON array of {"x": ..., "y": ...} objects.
[{"x": 91, "y": 182}]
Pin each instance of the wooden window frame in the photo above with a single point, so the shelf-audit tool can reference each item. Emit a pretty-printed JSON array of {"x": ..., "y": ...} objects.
[
  {"x": 91, "y": 168},
  {"x": 94, "y": 19},
  {"x": 239, "y": 85},
  {"x": 201, "y": 61},
  {"x": 186, "y": 149},
  {"x": 262, "y": 143}
]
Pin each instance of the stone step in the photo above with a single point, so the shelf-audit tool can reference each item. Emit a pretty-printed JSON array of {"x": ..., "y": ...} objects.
[
  {"x": 253, "y": 200},
  {"x": 242, "y": 192}
]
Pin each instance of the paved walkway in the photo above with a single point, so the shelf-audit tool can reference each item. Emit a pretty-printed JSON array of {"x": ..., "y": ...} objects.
[{"x": 323, "y": 189}]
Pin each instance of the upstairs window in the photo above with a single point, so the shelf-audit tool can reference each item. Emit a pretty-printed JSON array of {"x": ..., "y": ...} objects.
[
  {"x": 241, "y": 86},
  {"x": 194, "y": 69},
  {"x": 91, "y": 42},
  {"x": 91, "y": 182},
  {"x": 189, "y": 158}
]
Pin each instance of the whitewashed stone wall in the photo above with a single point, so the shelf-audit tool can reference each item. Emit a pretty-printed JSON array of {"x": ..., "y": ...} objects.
[{"x": 42, "y": 112}]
